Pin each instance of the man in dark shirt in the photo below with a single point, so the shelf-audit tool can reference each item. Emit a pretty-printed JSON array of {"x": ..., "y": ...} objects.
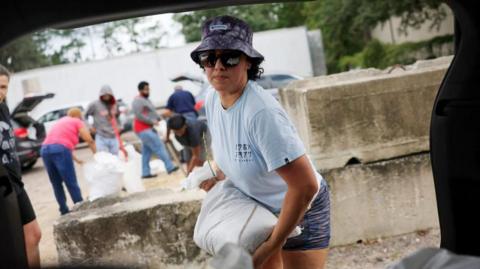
[
  {"x": 181, "y": 102},
  {"x": 193, "y": 135},
  {"x": 19, "y": 230}
]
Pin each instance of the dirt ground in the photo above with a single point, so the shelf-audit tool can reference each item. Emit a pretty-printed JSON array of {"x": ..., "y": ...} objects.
[
  {"x": 380, "y": 253},
  {"x": 41, "y": 194},
  {"x": 365, "y": 255}
]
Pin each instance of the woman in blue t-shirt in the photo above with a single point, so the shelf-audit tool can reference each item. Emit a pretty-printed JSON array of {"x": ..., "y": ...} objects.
[{"x": 257, "y": 147}]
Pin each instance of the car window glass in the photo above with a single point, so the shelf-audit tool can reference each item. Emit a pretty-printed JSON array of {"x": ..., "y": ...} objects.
[
  {"x": 63, "y": 112},
  {"x": 42, "y": 119},
  {"x": 51, "y": 116}
]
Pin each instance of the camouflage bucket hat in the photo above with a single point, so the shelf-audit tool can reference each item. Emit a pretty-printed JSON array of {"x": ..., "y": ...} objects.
[{"x": 226, "y": 33}]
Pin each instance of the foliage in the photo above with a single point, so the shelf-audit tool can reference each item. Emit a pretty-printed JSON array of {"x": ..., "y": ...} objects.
[
  {"x": 260, "y": 17},
  {"x": 23, "y": 53},
  {"x": 378, "y": 55},
  {"x": 141, "y": 37},
  {"x": 345, "y": 24},
  {"x": 53, "y": 46}
]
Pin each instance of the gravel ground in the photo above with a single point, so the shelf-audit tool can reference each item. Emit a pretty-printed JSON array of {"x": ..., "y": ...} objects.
[
  {"x": 41, "y": 195},
  {"x": 380, "y": 253}
]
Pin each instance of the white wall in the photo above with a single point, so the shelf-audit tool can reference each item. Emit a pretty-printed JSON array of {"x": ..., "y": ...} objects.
[
  {"x": 285, "y": 50},
  {"x": 383, "y": 32}
]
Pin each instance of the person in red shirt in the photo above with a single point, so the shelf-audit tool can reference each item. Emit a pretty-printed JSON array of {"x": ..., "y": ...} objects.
[{"x": 145, "y": 118}]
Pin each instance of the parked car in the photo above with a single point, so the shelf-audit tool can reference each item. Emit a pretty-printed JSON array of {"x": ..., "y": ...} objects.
[
  {"x": 49, "y": 117},
  {"x": 270, "y": 82},
  {"x": 273, "y": 82},
  {"x": 29, "y": 133}
]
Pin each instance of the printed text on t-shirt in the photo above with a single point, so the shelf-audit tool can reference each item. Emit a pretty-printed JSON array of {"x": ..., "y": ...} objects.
[{"x": 243, "y": 153}]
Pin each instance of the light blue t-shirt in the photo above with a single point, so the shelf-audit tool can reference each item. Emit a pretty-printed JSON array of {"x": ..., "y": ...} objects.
[{"x": 250, "y": 140}]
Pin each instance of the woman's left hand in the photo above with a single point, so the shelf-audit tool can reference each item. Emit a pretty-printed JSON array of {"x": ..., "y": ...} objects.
[
  {"x": 266, "y": 250},
  {"x": 208, "y": 184}
]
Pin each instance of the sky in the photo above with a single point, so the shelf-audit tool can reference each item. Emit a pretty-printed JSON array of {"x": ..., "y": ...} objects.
[{"x": 95, "y": 49}]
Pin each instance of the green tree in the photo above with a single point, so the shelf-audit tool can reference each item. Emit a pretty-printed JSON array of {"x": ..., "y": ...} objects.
[
  {"x": 62, "y": 46},
  {"x": 54, "y": 46},
  {"x": 346, "y": 25},
  {"x": 260, "y": 17},
  {"x": 110, "y": 42},
  {"x": 141, "y": 36},
  {"x": 22, "y": 54}
]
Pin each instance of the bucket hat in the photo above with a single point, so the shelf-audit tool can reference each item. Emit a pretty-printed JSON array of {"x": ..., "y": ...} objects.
[{"x": 226, "y": 33}]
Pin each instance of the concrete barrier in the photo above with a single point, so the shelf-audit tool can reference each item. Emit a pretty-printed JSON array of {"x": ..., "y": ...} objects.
[
  {"x": 382, "y": 199},
  {"x": 153, "y": 230},
  {"x": 366, "y": 115}
]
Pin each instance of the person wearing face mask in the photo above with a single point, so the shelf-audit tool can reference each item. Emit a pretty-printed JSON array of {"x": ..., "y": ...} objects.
[
  {"x": 145, "y": 118},
  {"x": 104, "y": 112}
]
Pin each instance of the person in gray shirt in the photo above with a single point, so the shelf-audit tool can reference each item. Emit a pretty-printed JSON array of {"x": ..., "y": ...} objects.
[
  {"x": 145, "y": 118},
  {"x": 104, "y": 112}
]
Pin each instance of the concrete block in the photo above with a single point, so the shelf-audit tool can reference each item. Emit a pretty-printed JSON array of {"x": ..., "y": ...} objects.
[
  {"x": 382, "y": 199},
  {"x": 365, "y": 115},
  {"x": 153, "y": 231}
]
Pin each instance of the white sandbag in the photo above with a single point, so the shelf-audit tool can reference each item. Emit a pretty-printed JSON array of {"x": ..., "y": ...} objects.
[
  {"x": 104, "y": 175},
  {"x": 132, "y": 177},
  {"x": 229, "y": 216},
  {"x": 197, "y": 176},
  {"x": 161, "y": 129},
  {"x": 157, "y": 166}
]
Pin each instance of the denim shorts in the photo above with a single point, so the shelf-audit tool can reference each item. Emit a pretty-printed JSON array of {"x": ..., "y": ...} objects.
[{"x": 315, "y": 225}]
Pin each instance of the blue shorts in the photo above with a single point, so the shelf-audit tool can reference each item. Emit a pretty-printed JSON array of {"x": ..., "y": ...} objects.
[{"x": 315, "y": 225}]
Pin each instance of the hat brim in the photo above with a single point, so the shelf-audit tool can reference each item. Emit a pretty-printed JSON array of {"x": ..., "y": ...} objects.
[{"x": 221, "y": 42}]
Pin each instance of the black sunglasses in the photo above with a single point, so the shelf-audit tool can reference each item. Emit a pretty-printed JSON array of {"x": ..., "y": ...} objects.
[{"x": 227, "y": 58}]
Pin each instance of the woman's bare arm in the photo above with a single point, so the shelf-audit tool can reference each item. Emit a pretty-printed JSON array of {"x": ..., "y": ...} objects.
[
  {"x": 85, "y": 135},
  {"x": 302, "y": 187}
]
